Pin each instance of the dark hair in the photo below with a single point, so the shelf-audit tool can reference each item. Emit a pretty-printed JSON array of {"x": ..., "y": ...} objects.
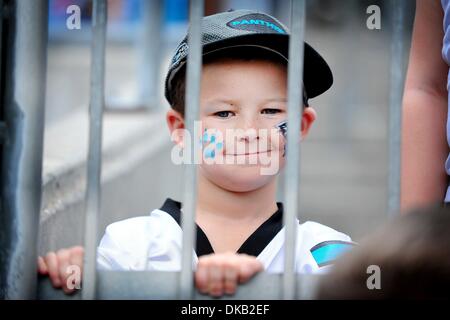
[
  {"x": 177, "y": 95},
  {"x": 413, "y": 256}
]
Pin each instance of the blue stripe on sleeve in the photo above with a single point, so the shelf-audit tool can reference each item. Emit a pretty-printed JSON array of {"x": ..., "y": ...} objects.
[{"x": 326, "y": 252}]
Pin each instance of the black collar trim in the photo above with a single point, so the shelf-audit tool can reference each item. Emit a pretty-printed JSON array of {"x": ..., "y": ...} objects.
[{"x": 254, "y": 244}]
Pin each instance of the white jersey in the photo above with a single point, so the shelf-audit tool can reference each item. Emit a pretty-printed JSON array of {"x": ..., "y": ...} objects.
[{"x": 154, "y": 243}]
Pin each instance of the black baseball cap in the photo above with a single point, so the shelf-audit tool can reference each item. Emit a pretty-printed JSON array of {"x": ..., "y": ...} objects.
[{"x": 249, "y": 28}]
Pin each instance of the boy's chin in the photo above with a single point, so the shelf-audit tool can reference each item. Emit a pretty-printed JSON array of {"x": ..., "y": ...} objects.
[{"x": 240, "y": 178}]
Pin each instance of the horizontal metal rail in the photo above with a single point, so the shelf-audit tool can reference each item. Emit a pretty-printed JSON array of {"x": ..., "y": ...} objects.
[{"x": 148, "y": 285}]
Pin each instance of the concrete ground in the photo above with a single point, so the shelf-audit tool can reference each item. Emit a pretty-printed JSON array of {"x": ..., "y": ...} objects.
[{"x": 344, "y": 161}]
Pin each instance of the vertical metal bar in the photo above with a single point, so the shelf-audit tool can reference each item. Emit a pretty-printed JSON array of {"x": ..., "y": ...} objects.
[
  {"x": 193, "y": 80},
  {"x": 93, "y": 189},
  {"x": 23, "y": 104},
  {"x": 3, "y": 15},
  {"x": 149, "y": 53},
  {"x": 395, "y": 106},
  {"x": 295, "y": 77}
]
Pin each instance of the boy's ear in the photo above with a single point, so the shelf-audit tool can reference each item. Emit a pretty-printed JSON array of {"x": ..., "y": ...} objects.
[
  {"x": 175, "y": 122},
  {"x": 309, "y": 116}
]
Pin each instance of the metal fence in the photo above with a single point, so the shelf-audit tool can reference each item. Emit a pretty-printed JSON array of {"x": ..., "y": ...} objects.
[
  {"x": 23, "y": 61},
  {"x": 22, "y": 161}
]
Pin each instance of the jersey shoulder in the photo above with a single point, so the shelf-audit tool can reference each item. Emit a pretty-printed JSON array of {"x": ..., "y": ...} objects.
[
  {"x": 126, "y": 244},
  {"x": 323, "y": 244}
]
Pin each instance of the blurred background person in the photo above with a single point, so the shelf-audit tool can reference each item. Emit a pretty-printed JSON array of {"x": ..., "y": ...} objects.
[
  {"x": 411, "y": 255},
  {"x": 425, "y": 150}
]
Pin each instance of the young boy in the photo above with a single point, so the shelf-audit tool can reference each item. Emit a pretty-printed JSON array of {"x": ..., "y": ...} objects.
[{"x": 240, "y": 232}]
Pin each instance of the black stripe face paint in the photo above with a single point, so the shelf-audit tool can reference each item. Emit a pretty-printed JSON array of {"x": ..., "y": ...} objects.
[{"x": 282, "y": 128}]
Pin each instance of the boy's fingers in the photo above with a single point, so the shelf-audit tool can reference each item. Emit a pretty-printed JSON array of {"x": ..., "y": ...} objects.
[
  {"x": 63, "y": 264},
  {"x": 52, "y": 263},
  {"x": 216, "y": 280},
  {"x": 202, "y": 273},
  {"x": 257, "y": 265},
  {"x": 219, "y": 274},
  {"x": 201, "y": 279},
  {"x": 42, "y": 266},
  {"x": 248, "y": 269},
  {"x": 231, "y": 273},
  {"x": 76, "y": 257},
  {"x": 231, "y": 279},
  {"x": 77, "y": 251}
]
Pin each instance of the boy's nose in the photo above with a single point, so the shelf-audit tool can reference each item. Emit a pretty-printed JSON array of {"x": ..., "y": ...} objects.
[
  {"x": 250, "y": 134},
  {"x": 248, "y": 128},
  {"x": 248, "y": 123}
]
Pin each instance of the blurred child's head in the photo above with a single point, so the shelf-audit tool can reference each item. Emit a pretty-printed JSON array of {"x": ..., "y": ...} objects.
[
  {"x": 408, "y": 257},
  {"x": 243, "y": 96}
]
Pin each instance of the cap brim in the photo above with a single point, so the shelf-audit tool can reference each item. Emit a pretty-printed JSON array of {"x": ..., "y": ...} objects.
[{"x": 317, "y": 75}]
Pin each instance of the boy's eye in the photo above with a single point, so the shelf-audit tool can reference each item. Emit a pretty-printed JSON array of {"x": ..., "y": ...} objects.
[
  {"x": 224, "y": 114},
  {"x": 270, "y": 111}
]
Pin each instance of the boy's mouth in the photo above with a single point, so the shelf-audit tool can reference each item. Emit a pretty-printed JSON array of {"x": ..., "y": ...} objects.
[{"x": 247, "y": 153}]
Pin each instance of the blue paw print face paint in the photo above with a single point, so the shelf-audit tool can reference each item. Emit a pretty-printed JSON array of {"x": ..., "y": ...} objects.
[
  {"x": 211, "y": 143},
  {"x": 209, "y": 153}
]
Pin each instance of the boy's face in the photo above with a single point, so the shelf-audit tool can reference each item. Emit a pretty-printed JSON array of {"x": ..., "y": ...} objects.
[{"x": 241, "y": 102}]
